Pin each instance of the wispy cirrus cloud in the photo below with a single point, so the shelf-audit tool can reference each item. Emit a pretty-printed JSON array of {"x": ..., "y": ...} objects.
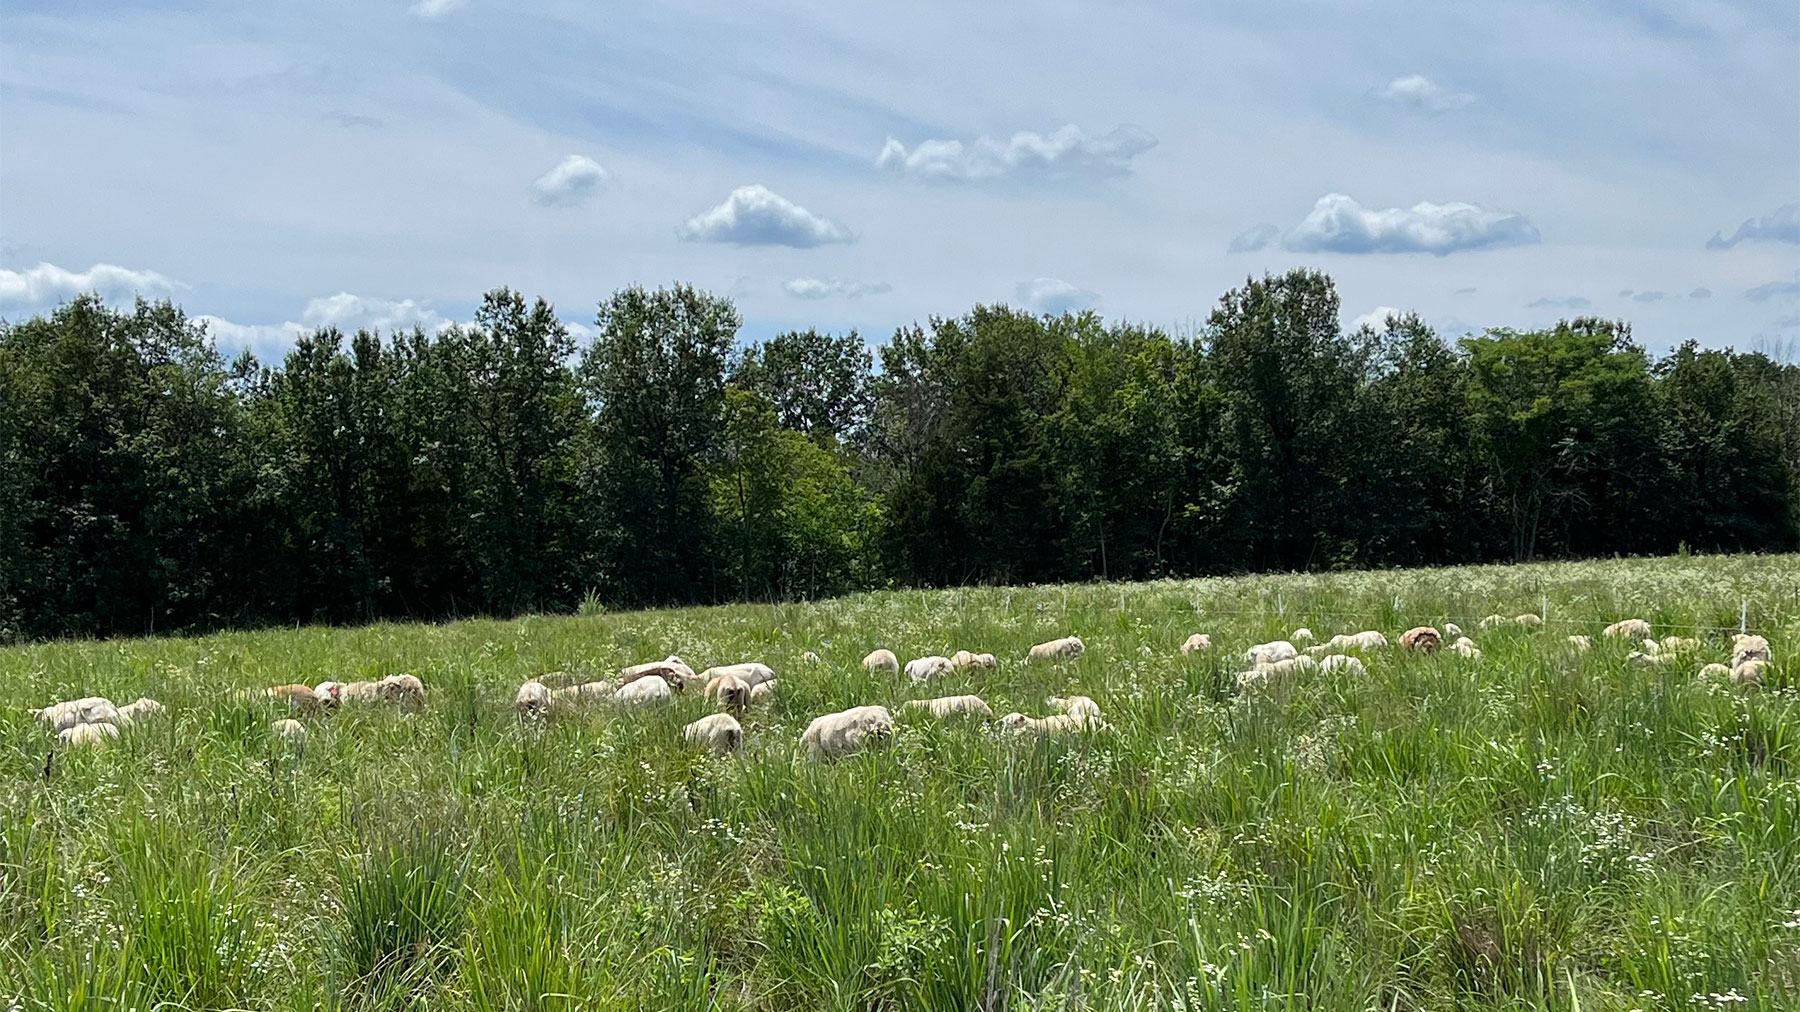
[
  {"x": 757, "y": 216},
  {"x": 819, "y": 288},
  {"x": 1338, "y": 224},
  {"x": 1065, "y": 151}
]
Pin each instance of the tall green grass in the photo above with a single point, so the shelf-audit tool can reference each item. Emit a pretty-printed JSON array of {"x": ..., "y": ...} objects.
[{"x": 1540, "y": 829}]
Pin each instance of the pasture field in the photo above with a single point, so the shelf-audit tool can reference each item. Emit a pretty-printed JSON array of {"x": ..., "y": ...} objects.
[{"x": 1536, "y": 829}]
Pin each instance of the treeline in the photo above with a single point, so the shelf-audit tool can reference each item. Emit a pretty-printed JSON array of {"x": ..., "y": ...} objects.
[{"x": 148, "y": 485}]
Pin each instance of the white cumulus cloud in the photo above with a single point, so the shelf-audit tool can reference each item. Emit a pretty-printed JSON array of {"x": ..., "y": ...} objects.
[
  {"x": 1779, "y": 225},
  {"x": 571, "y": 181},
  {"x": 1338, "y": 224},
  {"x": 47, "y": 283},
  {"x": 1377, "y": 318},
  {"x": 434, "y": 8},
  {"x": 1420, "y": 92},
  {"x": 348, "y": 313},
  {"x": 820, "y": 288},
  {"x": 1054, "y": 296},
  {"x": 757, "y": 216},
  {"x": 1065, "y": 151}
]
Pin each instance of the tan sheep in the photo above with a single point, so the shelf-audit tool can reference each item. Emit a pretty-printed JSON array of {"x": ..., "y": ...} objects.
[
  {"x": 532, "y": 701},
  {"x": 719, "y": 732},
  {"x": 1715, "y": 671},
  {"x": 923, "y": 669},
  {"x": 1749, "y": 647},
  {"x": 1581, "y": 644},
  {"x": 88, "y": 710},
  {"x": 299, "y": 698},
  {"x": 1368, "y": 639},
  {"x": 1421, "y": 640},
  {"x": 949, "y": 706},
  {"x": 730, "y": 692},
  {"x": 1750, "y": 672},
  {"x": 762, "y": 692},
  {"x": 1079, "y": 706},
  {"x": 1066, "y": 649},
  {"x": 1198, "y": 643},
  {"x": 404, "y": 690},
  {"x": 1679, "y": 645},
  {"x": 882, "y": 660},
  {"x": 836, "y": 735},
  {"x": 1529, "y": 621},
  {"x": 1630, "y": 628},
  {"x": 144, "y": 708},
  {"x": 85, "y": 735},
  {"x": 751, "y": 672},
  {"x": 964, "y": 659}
]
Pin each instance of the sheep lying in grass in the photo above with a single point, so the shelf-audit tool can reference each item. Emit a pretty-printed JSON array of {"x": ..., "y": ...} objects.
[
  {"x": 719, "y": 732},
  {"x": 671, "y": 669},
  {"x": 762, "y": 692},
  {"x": 1078, "y": 706},
  {"x": 1271, "y": 653},
  {"x": 1265, "y": 674},
  {"x": 836, "y": 735},
  {"x": 1343, "y": 662},
  {"x": 290, "y": 731},
  {"x": 532, "y": 701},
  {"x": 1722, "y": 671},
  {"x": 1529, "y": 621},
  {"x": 299, "y": 698},
  {"x": 949, "y": 706},
  {"x": 1646, "y": 659},
  {"x": 584, "y": 694},
  {"x": 88, "y": 710},
  {"x": 882, "y": 660},
  {"x": 1055, "y": 724},
  {"x": 1630, "y": 629},
  {"x": 560, "y": 679},
  {"x": 1679, "y": 645},
  {"x": 752, "y": 673},
  {"x": 1368, "y": 639},
  {"x": 1749, "y": 647},
  {"x": 1581, "y": 644},
  {"x": 730, "y": 691},
  {"x": 1452, "y": 630},
  {"x": 82, "y": 735},
  {"x": 1465, "y": 647},
  {"x": 1301, "y": 635},
  {"x": 1750, "y": 672},
  {"x": 924, "y": 669},
  {"x": 144, "y": 708},
  {"x": 1421, "y": 640},
  {"x": 406, "y": 691},
  {"x": 644, "y": 691},
  {"x": 1066, "y": 649},
  {"x": 1198, "y": 643},
  {"x": 964, "y": 659}
]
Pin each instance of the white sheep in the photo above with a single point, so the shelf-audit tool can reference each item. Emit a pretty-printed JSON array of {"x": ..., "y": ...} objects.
[
  {"x": 1301, "y": 635},
  {"x": 297, "y": 697},
  {"x": 1465, "y": 647},
  {"x": 1581, "y": 644},
  {"x": 731, "y": 691},
  {"x": 836, "y": 735},
  {"x": 643, "y": 691},
  {"x": 1270, "y": 653},
  {"x": 1068, "y": 648},
  {"x": 1079, "y": 706},
  {"x": 1749, "y": 647},
  {"x": 87, "y": 710},
  {"x": 965, "y": 659},
  {"x": 949, "y": 706},
  {"x": 671, "y": 669},
  {"x": 751, "y": 672},
  {"x": 1343, "y": 662},
  {"x": 1055, "y": 724},
  {"x": 532, "y": 701},
  {"x": 882, "y": 660},
  {"x": 762, "y": 691},
  {"x": 923, "y": 669},
  {"x": 1680, "y": 644},
  {"x": 143, "y": 709},
  {"x": 719, "y": 732},
  {"x": 1750, "y": 672},
  {"x": 1368, "y": 639},
  {"x": 405, "y": 690},
  {"x": 290, "y": 731},
  {"x": 1529, "y": 621},
  {"x": 583, "y": 694},
  {"x": 78, "y": 735},
  {"x": 1452, "y": 629},
  {"x": 1198, "y": 643},
  {"x": 1630, "y": 628},
  {"x": 1269, "y": 672},
  {"x": 1492, "y": 622},
  {"x": 1715, "y": 671},
  {"x": 1649, "y": 660}
]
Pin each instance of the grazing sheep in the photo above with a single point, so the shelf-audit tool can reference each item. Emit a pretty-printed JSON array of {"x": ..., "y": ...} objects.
[
  {"x": 1749, "y": 647},
  {"x": 292, "y": 732},
  {"x": 296, "y": 696},
  {"x": 143, "y": 709},
  {"x": 923, "y": 669},
  {"x": 1301, "y": 635},
  {"x": 405, "y": 690},
  {"x": 1056, "y": 723},
  {"x": 1270, "y": 653},
  {"x": 1465, "y": 647},
  {"x": 761, "y": 691},
  {"x": 836, "y": 735},
  {"x": 1581, "y": 644},
  {"x": 1343, "y": 662},
  {"x": 643, "y": 691},
  {"x": 1368, "y": 639},
  {"x": 1421, "y": 640},
  {"x": 670, "y": 669},
  {"x": 581, "y": 695},
  {"x": 731, "y": 692},
  {"x": 1631, "y": 629},
  {"x": 1198, "y": 643},
  {"x": 1680, "y": 644},
  {"x": 1080, "y": 706},
  {"x": 719, "y": 732},
  {"x": 1644, "y": 659},
  {"x": 882, "y": 660},
  {"x": 1068, "y": 648},
  {"x": 1715, "y": 671},
  {"x": 949, "y": 706},
  {"x": 1529, "y": 621},
  {"x": 965, "y": 659},
  {"x": 532, "y": 701},
  {"x": 1452, "y": 630},
  {"x": 87, "y": 734},
  {"x": 1492, "y": 622},
  {"x": 751, "y": 672},
  {"x": 334, "y": 694},
  {"x": 1749, "y": 672},
  {"x": 1273, "y": 671},
  {"x": 88, "y": 710}
]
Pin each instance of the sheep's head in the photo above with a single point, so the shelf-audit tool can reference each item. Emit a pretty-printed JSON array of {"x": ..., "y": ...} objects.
[
  {"x": 328, "y": 693},
  {"x": 1013, "y": 721}
]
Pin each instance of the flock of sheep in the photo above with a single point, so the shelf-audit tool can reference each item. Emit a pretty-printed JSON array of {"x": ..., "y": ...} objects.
[{"x": 737, "y": 687}]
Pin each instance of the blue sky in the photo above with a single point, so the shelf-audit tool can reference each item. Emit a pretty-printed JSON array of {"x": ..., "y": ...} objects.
[{"x": 273, "y": 166}]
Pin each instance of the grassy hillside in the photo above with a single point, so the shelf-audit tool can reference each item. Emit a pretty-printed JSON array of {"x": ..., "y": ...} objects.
[{"x": 1536, "y": 829}]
